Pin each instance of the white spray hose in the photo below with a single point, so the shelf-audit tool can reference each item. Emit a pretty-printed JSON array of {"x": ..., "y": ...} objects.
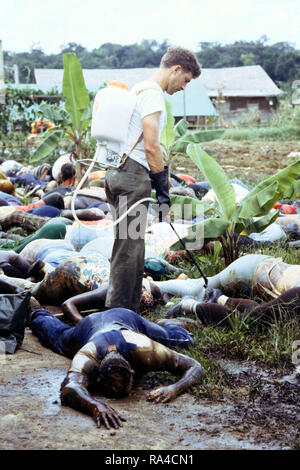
[{"x": 105, "y": 227}]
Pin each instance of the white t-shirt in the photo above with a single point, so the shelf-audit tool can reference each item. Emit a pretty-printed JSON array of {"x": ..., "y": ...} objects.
[{"x": 149, "y": 101}]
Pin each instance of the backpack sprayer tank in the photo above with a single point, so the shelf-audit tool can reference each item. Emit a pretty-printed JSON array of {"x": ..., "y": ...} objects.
[{"x": 112, "y": 111}]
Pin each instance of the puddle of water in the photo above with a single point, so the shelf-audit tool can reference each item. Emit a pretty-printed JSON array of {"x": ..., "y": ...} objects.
[{"x": 43, "y": 385}]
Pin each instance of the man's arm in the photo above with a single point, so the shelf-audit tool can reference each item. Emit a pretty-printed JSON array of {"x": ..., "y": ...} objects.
[
  {"x": 177, "y": 364},
  {"x": 158, "y": 294},
  {"x": 74, "y": 389},
  {"x": 86, "y": 301},
  {"x": 151, "y": 142},
  {"x": 149, "y": 355},
  {"x": 74, "y": 394}
]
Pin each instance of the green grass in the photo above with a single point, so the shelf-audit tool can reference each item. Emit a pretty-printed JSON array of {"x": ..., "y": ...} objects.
[
  {"x": 281, "y": 133},
  {"x": 269, "y": 344}
]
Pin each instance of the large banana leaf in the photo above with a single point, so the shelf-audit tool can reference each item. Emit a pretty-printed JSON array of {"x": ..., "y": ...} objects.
[
  {"x": 217, "y": 179},
  {"x": 168, "y": 134},
  {"x": 86, "y": 117},
  {"x": 248, "y": 226},
  {"x": 198, "y": 233},
  {"x": 293, "y": 192},
  {"x": 284, "y": 178},
  {"x": 259, "y": 204},
  {"x": 74, "y": 89},
  {"x": 47, "y": 146},
  {"x": 196, "y": 137},
  {"x": 181, "y": 127},
  {"x": 184, "y": 207},
  {"x": 54, "y": 113}
]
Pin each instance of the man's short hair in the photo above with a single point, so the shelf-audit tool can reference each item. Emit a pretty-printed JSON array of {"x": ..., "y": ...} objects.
[
  {"x": 115, "y": 376},
  {"x": 183, "y": 57}
]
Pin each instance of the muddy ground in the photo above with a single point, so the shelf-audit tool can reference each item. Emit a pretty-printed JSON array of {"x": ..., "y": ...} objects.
[{"x": 257, "y": 411}]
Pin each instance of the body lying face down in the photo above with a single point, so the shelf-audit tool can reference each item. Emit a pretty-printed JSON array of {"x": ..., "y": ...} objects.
[{"x": 109, "y": 349}]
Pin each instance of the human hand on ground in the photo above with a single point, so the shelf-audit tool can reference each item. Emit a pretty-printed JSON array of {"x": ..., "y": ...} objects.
[
  {"x": 162, "y": 394},
  {"x": 103, "y": 413}
]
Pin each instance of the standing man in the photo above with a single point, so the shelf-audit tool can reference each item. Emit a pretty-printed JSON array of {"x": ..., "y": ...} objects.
[{"x": 143, "y": 168}]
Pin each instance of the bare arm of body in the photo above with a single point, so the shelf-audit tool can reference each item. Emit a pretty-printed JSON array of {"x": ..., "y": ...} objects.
[
  {"x": 74, "y": 394},
  {"x": 150, "y": 355},
  {"x": 151, "y": 142},
  {"x": 158, "y": 294},
  {"x": 74, "y": 391},
  {"x": 94, "y": 299},
  {"x": 180, "y": 364}
]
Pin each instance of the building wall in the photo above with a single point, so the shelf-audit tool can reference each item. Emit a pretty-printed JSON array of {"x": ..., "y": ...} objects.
[{"x": 235, "y": 106}]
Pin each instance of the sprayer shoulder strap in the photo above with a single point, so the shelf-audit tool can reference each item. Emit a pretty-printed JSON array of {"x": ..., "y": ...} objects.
[
  {"x": 137, "y": 142},
  {"x": 148, "y": 87}
]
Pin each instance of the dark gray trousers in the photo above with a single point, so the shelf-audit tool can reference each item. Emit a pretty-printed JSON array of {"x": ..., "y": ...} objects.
[{"x": 125, "y": 186}]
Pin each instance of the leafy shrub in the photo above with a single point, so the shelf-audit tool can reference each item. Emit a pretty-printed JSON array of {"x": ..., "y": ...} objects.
[
  {"x": 286, "y": 132},
  {"x": 22, "y": 107}
]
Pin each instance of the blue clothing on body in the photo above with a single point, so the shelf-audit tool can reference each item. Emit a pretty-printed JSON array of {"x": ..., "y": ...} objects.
[
  {"x": 11, "y": 200},
  {"x": 55, "y": 254},
  {"x": 45, "y": 211},
  {"x": 3, "y": 202},
  {"x": 28, "y": 180},
  {"x": 101, "y": 205},
  {"x": 104, "y": 330}
]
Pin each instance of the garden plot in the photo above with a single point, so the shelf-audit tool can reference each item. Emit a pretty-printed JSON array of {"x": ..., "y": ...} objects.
[{"x": 250, "y": 161}]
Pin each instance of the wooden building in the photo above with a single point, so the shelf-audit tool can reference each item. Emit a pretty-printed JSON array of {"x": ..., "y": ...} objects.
[{"x": 242, "y": 88}]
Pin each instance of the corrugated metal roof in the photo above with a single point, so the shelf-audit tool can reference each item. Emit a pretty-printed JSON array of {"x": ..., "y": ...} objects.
[
  {"x": 197, "y": 102},
  {"x": 249, "y": 80},
  {"x": 94, "y": 78}
]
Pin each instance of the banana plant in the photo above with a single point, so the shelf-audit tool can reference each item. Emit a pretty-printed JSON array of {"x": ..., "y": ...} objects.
[
  {"x": 253, "y": 214},
  {"x": 176, "y": 138},
  {"x": 73, "y": 121}
]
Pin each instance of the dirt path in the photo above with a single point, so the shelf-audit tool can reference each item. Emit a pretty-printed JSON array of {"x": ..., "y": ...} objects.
[{"x": 31, "y": 416}]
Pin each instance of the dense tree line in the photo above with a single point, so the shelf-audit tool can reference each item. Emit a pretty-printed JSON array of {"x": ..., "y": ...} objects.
[{"x": 281, "y": 60}]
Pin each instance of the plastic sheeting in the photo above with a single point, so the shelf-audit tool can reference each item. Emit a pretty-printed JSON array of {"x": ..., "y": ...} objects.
[{"x": 13, "y": 311}]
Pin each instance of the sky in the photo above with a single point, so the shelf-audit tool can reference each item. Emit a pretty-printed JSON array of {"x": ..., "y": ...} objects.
[{"x": 51, "y": 24}]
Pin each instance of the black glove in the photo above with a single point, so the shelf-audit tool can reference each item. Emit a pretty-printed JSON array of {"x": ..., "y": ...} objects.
[{"x": 160, "y": 182}]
